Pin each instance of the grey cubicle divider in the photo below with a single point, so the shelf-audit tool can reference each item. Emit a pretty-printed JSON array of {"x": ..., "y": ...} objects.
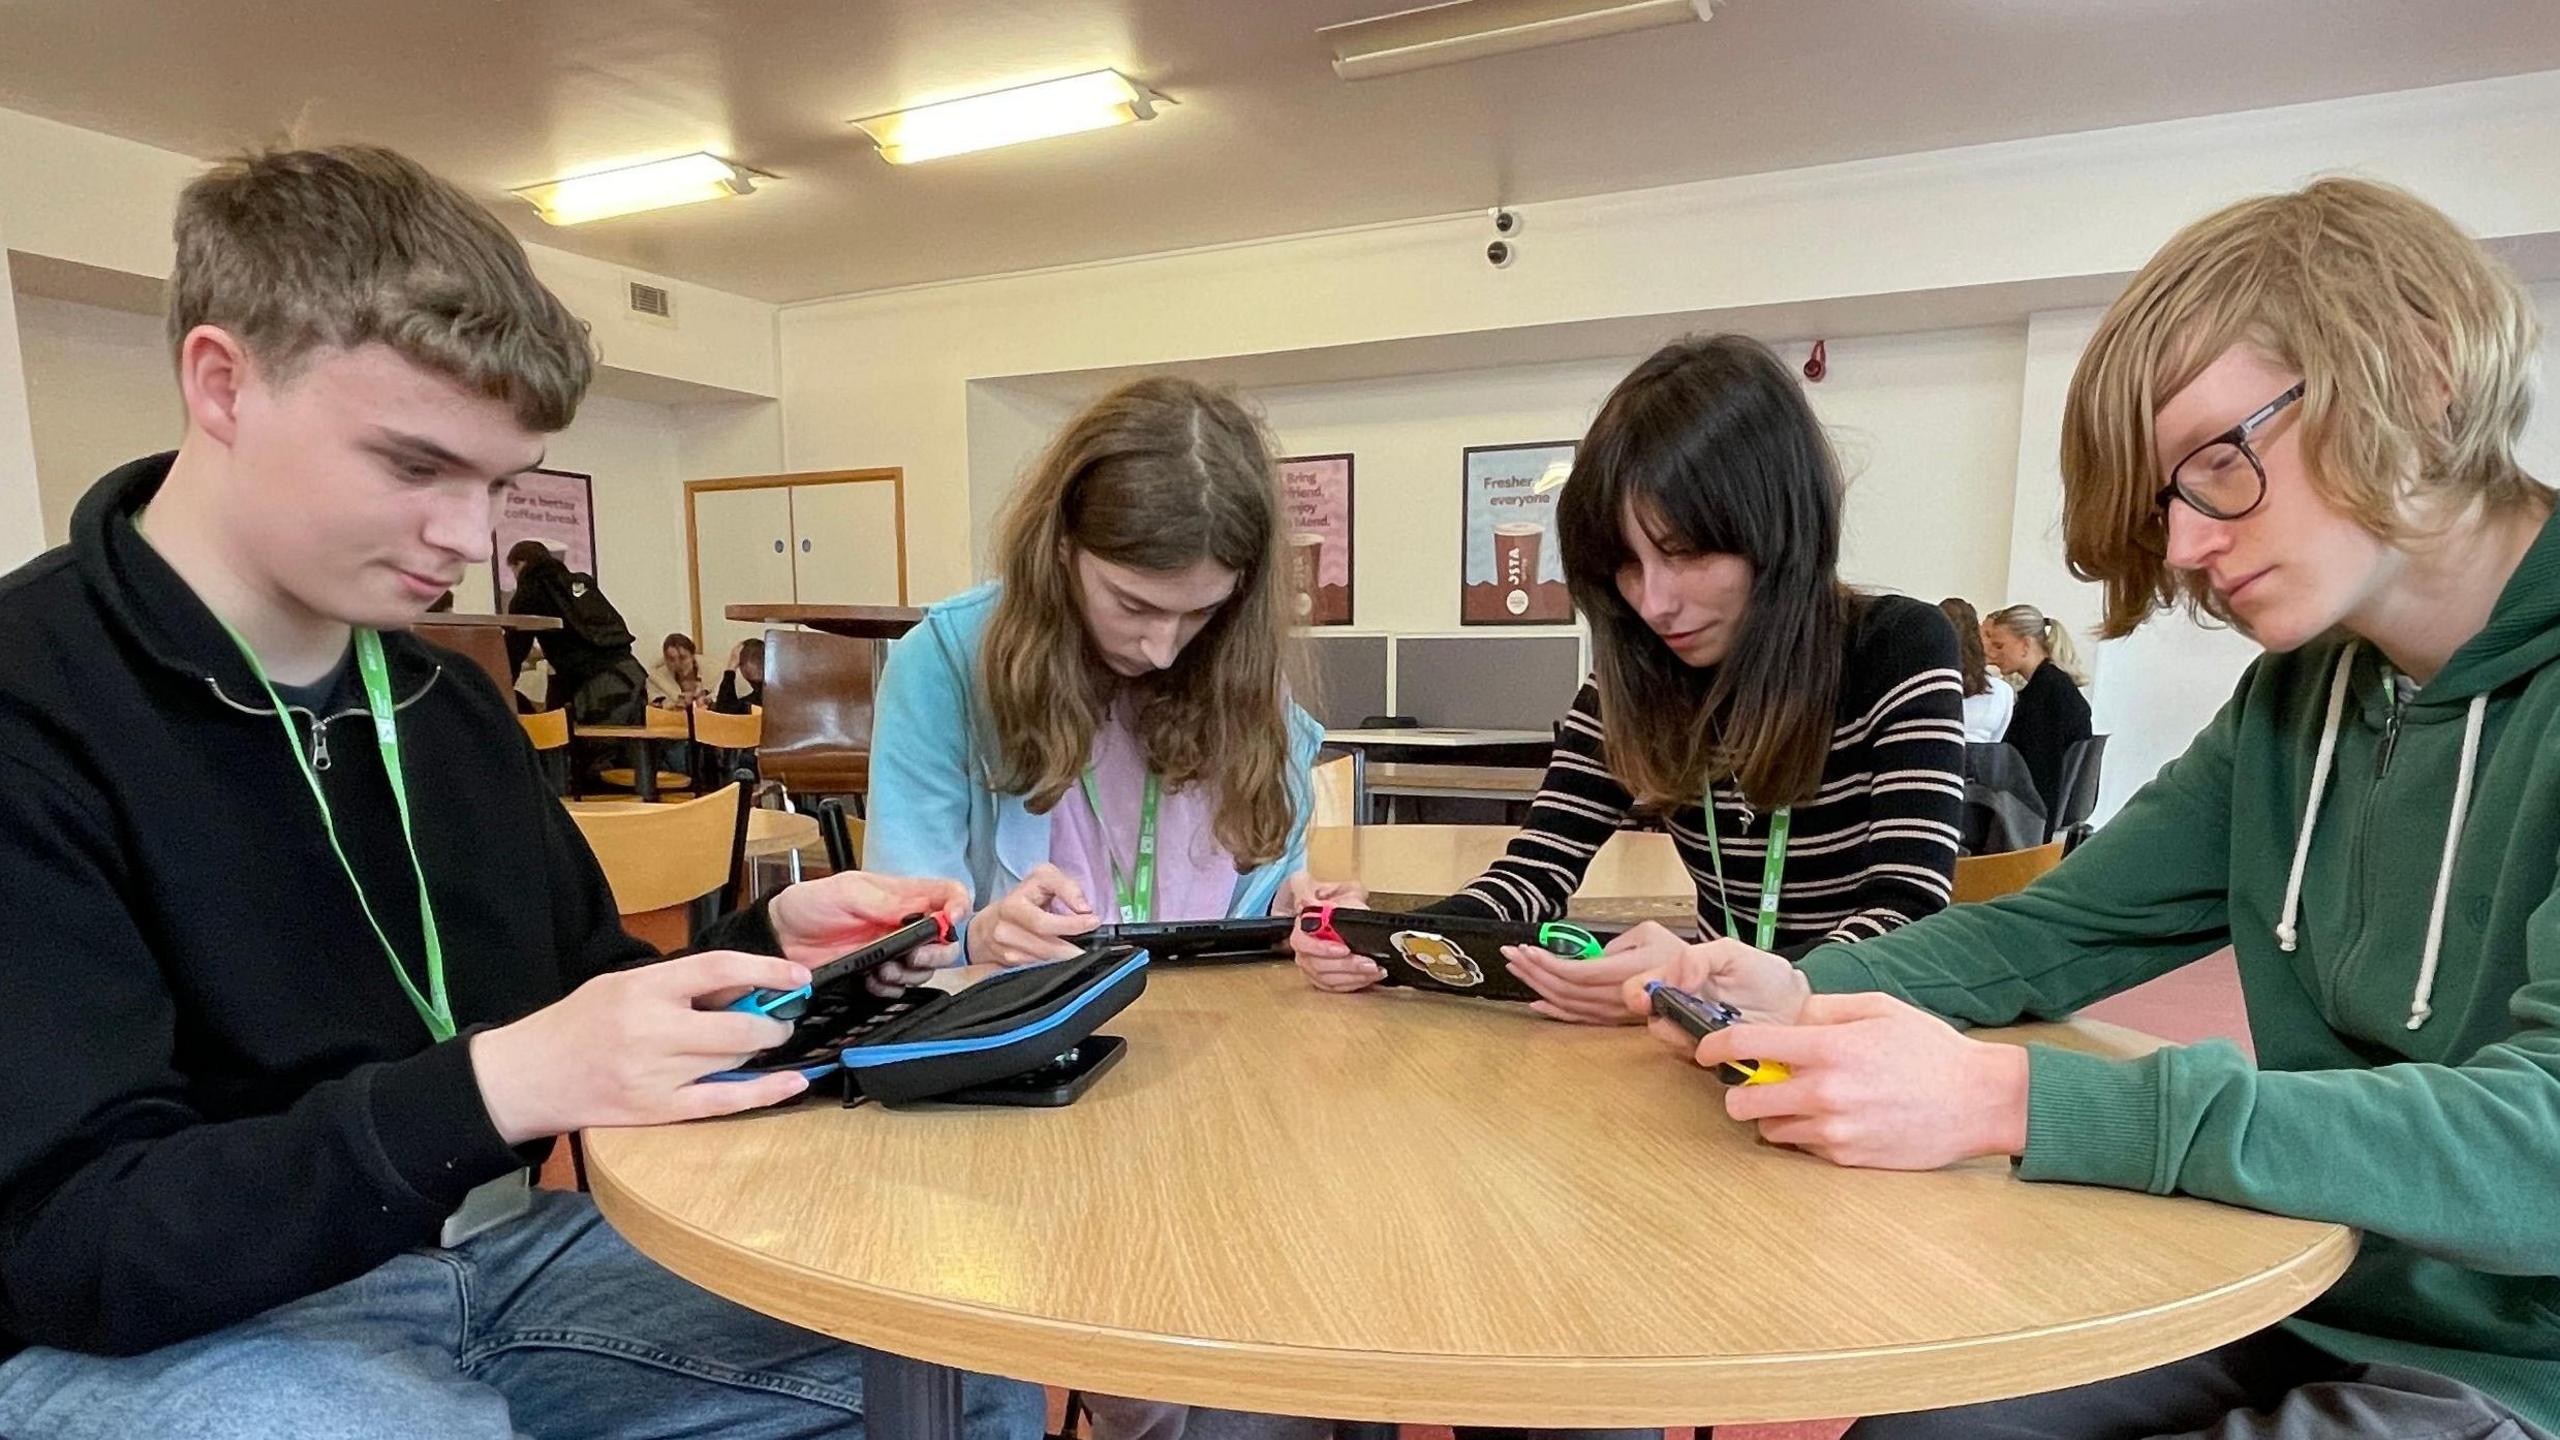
[
  {"x": 1508, "y": 682},
  {"x": 1350, "y": 678}
]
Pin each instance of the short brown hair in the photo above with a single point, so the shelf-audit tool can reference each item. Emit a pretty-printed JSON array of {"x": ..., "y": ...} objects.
[
  {"x": 292, "y": 250},
  {"x": 2386, "y": 308},
  {"x": 1158, "y": 475}
]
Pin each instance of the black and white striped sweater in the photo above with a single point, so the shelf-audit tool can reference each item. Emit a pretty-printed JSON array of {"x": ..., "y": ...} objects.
[{"x": 1875, "y": 849}]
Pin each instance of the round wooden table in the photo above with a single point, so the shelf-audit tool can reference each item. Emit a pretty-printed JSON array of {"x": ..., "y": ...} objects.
[
  {"x": 1636, "y": 876},
  {"x": 1400, "y": 1206}
]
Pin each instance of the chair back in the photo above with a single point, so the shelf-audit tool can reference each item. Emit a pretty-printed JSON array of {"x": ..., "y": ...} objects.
[
  {"x": 1339, "y": 783},
  {"x": 2080, "y": 766},
  {"x": 547, "y": 729},
  {"x": 2002, "y": 809},
  {"x": 818, "y": 691},
  {"x": 1988, "y": 877},
  {"x": 728, "y": 732},
  {"x": 659, "y": 858}
]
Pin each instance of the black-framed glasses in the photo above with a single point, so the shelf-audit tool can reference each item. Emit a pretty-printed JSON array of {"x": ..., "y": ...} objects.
[{"x": 2223, "y": 478}]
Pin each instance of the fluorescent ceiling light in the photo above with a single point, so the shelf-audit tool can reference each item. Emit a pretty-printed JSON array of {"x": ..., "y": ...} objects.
[
  {"x": 1473, "y": 29},
  {"x": 1091, "y": 101},
  {"x": 654, "y": 186}
]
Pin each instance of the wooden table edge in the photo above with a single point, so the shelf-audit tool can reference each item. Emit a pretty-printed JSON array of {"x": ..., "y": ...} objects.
[{"x": 1426, "y": 1388}]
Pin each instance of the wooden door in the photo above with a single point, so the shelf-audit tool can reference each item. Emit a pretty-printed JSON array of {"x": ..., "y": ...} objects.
[
  {"x": 742, "y": 554},
  {"x": 848, "y": 550}
]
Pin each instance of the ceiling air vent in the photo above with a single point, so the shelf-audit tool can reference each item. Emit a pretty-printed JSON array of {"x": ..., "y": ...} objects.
[{"x": 652, "y": 301}]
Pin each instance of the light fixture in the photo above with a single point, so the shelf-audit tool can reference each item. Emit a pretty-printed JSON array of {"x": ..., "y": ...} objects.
[
  {"x": 1458, "y": 30},
  {"x": 633, "y": 188},
  {"x": 1091, "y": 101}
]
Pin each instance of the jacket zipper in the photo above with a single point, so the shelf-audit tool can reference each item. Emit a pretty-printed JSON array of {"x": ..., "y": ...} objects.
[
  {"x": 2360, "y": 859},
  {"x": 318, "y": 723}
]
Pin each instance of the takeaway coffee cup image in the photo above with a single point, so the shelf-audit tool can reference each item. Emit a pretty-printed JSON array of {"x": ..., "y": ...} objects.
[
  {"x": 1306, "y": 555},
  {"x": 1515, "y": 562}
]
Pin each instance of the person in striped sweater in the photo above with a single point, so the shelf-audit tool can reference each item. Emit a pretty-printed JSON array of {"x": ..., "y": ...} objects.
[{"x": 1802, "y": 742}]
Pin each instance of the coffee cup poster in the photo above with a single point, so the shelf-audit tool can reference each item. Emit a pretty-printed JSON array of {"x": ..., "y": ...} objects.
[
  {"x": 1513, "y": 574},
  {"x": 1315, "y": 495}
]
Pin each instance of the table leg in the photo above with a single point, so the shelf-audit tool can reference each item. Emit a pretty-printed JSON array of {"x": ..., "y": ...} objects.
[
  {"x": 909, "y": 1399},
  {"x": 644, "y": 772}
]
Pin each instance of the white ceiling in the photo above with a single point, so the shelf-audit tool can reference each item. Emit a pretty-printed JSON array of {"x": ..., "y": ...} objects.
[{"x": 500, "y": 93}]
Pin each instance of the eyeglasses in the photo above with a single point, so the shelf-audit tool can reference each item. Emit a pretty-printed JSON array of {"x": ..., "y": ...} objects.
[{"x": 2223, "y": 478}]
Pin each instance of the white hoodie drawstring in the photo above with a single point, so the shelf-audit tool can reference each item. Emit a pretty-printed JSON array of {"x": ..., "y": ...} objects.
[
  {"x": 2419, "y": 1009},
  {"x": 2286, "y": 933}
]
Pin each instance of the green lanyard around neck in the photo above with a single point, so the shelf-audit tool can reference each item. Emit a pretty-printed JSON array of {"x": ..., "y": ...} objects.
[
  {"x": 1134, "y": 892},
  {"x": 433, "y": 1007},
  {"x": 1772, "y": 874}
]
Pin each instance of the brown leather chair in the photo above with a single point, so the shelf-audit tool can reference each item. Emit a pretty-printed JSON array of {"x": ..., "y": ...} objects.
[{"x": 817, "y": 713}]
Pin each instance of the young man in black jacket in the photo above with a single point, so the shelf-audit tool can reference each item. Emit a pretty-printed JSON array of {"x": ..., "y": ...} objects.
[
  {"x": 301, "y": 966},
  {"x": 593, "y": 673}
]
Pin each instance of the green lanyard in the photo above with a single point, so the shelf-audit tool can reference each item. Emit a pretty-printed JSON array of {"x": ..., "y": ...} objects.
[
  {"x": 1772, "y": 875},
  {"x": 1135, "y": 892},
  {"x": 432, "y": 1007}
]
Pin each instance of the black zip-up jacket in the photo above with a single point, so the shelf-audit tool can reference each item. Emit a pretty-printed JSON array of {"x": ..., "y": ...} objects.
[{"x": 214, "y": 1097}]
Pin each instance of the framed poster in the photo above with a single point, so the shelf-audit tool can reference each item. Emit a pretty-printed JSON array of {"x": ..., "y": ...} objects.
[
  {"x": 1511, "y": 574},
  {"x": 1315, "y": 495},
  {"x": 556, "y": 507}
]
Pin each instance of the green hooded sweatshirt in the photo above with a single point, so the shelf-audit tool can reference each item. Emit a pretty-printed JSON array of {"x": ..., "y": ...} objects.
[{"x": 2385, "y": 870}]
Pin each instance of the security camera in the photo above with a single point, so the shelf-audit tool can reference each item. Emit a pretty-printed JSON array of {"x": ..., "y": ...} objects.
[
  {"x": 1498, "y": 254},
  {"x": 1505, "y": 222}
]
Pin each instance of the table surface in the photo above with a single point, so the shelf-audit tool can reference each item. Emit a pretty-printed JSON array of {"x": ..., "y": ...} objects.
[
  {"x": 1499, "y": 782},
  {"x": 863, "y": 622},
  {"x": 769, "y": 832},
  {"x": 499, "y": 622},
  {"x": 1438, "y": 737},
  {"x": 1402, "y": 1206}
]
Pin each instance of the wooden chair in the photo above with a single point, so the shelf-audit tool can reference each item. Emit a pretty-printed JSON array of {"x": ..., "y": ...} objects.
[
  {"x": 1341, "y": 791},
  {"x": 676, "y": 724},
  {"x": 722, "y": 742},
  {"x": 661, "y": 860},
  {"x": 1988, "y": 877},
  {"x": 549, "y": 732}
]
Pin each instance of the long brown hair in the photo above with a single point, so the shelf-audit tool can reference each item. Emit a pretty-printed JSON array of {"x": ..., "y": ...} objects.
[
  {"x": 1972, "y": 666},
  {"x": 1158, "y": 475},
  {"x": 1711, "y": 445}
]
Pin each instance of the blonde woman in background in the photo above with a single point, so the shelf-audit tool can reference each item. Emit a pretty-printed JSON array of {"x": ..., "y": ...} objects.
[
  {"x": 1988, "y": 700},
  {"x": 2051, "y": 715}
]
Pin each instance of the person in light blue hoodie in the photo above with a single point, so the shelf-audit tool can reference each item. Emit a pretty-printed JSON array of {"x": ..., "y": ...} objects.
[{"x": 1106, "y": 731}]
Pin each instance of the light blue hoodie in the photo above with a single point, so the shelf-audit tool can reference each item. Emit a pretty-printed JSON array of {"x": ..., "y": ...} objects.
[{"x": 933, "y": 810}]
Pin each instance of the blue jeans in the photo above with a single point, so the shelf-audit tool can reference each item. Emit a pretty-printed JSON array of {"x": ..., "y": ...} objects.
[{"x": 548, "y": 1325}]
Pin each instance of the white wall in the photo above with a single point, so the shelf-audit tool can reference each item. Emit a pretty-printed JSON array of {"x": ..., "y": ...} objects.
[
  {"x": 100, "y": 392},
  {"x": 882, "y": 379},
  {"x": 21, "y": 497}
]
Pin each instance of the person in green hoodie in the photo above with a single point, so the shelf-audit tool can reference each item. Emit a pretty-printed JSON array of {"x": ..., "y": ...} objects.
[{"x": 2301, "y": 418}]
